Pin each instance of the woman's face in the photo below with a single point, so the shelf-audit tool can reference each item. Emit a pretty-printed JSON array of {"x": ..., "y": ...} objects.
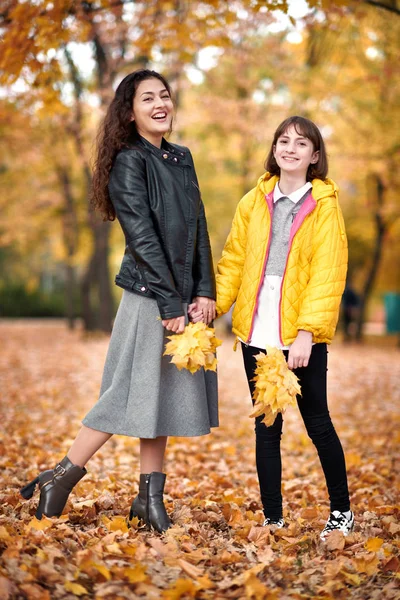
[
  {"x": 152, "y": 110},
  {"x": 294, "y": 153}
]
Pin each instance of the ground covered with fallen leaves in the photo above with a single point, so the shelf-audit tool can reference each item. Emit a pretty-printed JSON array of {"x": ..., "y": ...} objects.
[{"x": 50, "y": 377}]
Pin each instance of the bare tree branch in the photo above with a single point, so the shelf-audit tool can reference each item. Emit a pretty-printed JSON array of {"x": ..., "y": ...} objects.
[{"x": 390, "y": 6}]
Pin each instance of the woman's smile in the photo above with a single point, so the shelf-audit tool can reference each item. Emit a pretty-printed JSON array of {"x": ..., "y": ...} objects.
[{"x": 152, "y": 110}]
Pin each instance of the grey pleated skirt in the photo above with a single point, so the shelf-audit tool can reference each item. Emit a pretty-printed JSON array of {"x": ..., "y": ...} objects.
[{"x": 142, "y": 394}]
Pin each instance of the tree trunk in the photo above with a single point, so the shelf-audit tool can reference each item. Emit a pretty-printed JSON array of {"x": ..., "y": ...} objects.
[
  {"x": 380, "y": 227},
  {"x": 97, "y": 300},
  {"x": 70, "y": 239}
]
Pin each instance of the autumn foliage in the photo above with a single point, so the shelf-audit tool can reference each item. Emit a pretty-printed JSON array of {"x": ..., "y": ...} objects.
[
  {"x": 194, "y": 348},
  {"x": 276, "y": 386},
  {"x": 217, "y": 548}
]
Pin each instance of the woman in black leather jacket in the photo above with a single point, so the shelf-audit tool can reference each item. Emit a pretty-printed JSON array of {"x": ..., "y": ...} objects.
[{"x": 151, "y": 187}]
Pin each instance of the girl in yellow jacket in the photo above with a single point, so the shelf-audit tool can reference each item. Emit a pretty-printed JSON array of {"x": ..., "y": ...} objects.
[{"x": 284, "y": 265}]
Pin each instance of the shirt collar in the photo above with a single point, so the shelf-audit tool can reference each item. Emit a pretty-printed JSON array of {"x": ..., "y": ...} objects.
[{"x": 294, "y": 196}]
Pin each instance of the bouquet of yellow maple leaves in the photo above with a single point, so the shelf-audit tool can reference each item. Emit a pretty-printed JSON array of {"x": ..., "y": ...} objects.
[
  {"x": 194, "y": 348},
  {"x": 276, "y": 386}
]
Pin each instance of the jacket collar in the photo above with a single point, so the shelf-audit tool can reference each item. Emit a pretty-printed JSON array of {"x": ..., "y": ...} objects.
[
  {"x": 294, "y": 196},
  {"x": 320, "y": 189},
  {"x": 168, "y": 152}
]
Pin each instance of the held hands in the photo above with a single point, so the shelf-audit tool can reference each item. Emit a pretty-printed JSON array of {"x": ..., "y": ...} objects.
[
  {"x": 300, "y": 350},
  {"x": 176, "y": 325},
  {"x": 202, "y": 309}
]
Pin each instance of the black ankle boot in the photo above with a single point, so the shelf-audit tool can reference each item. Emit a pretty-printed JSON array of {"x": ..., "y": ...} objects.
[
  {"x": 148, "y": 505},
  {"x": 55, "y": 486},
  {"x": 139, "y": 504}
]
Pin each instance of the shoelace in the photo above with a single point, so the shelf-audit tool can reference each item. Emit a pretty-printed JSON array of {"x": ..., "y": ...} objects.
[
  {"x": 335, "y": 522},
  {"x": 280, "y": 523}
]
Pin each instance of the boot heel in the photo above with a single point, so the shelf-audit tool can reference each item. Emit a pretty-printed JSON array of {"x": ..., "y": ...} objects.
[{"x": 27, "y": 491}]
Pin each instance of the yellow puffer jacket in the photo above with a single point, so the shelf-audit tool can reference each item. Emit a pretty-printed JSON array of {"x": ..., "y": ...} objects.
[{"x": 315, "y": 273}]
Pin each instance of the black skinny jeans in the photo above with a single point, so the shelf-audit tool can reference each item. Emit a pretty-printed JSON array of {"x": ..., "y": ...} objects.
[{"x": 314, "y": 411}]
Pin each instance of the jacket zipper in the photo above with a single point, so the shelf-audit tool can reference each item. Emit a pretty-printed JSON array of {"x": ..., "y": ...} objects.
[
  {"x": 292, "y": 236},
  {"x": 195, "y": 185},
  {"x": 263, "y": 270}
]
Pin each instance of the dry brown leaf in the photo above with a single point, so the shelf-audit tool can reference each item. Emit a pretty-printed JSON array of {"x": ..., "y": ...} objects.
[
  {"x": 7, "y": 588},
  {"x": 309, "y": 512},
  {"x": 335, "y": 540},
  {"x": 392, "y": 564},
  {"x": 182, "y": 588},
  {"x": 212, "y": 482},
  {"x": 33, "y": 591},
  {"x": 254, "y": 588},
  {"x": 259, "y": 535},
  {"x": 190, "y": 569},
  {"x": 366, "y": 562}
]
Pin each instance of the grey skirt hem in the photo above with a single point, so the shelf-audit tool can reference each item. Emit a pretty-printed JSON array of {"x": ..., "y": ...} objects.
[
  {"x": 142, "y": 393},
  {"x": 148, "y": 435}
]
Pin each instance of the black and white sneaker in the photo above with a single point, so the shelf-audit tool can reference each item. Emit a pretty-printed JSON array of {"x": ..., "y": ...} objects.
[
  {"x": 277, "y": 524},
  {"x": 338, "y": 521}
]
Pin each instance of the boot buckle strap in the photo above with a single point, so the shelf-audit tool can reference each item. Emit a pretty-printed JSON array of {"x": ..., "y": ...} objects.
[{"x": 59, "y": 470}]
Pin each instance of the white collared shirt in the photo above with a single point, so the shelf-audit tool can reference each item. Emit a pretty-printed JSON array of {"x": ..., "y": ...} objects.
[{"x": 266, "y": 321}]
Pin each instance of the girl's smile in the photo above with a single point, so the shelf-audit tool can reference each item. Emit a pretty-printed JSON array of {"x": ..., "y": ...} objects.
[{"x": 294, "y": 153}]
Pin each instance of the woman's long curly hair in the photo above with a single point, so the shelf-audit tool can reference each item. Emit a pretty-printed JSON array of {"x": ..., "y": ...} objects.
[{"x": 116, "y": 131}]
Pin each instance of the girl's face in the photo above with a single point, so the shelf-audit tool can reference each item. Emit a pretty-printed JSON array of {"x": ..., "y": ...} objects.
[
  {"x": 152, "y": 110},
  {"x": 294, "y": 153}
]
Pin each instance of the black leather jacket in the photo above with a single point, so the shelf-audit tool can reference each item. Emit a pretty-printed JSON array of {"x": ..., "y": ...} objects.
[{"x": 157, "y": 200}]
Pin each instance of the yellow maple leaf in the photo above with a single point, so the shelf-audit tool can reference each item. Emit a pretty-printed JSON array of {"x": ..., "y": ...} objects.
[
  {"x": 373, "y": 544},
  {"x": 115, "y": 523},
  {"x": 136, "y": 574},
  {"x": 194, "y": 348},
  {"x": 75, "y": 588},
  {"x": 276, "y": 386},
  {"x": 39, "y": 524}
]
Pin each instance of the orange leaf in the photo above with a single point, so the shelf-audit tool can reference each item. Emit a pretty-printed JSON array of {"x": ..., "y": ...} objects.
[
  {"x": 115, "y": 524},
  {"x": 182, "y": 587},
  {"x": 373, "y": 544},
  {"x": 35, "y": 592},
  {"x": 254, "y": 588},
  {"x": 39, "y": 524},
  {"x": 135, "y": 574},
  {"x": 392, "y": 564},
  {"x": 366, "y": 562}
]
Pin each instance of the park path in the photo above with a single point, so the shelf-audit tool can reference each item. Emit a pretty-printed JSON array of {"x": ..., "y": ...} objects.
[{"x": 50, "y": 377}]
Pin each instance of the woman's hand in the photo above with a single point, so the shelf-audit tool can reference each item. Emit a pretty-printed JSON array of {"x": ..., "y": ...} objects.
[
  {"x": 176, "y": 325},
  {"x": 202, "y": 309},
  {"x": 300, "y": 350}
]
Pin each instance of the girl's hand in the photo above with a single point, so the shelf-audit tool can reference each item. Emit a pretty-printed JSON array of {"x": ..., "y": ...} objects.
[
  {"x": 300, "y": 350},
  {"x": 176, "y": 325},
  {"x": 195, "y": 315},
  {"x": 206, "y": 306}
]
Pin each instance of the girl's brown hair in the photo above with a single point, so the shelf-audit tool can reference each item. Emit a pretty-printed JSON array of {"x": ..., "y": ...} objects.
[
  {"x": 307, "y": 129},
  {"x": 116, "y": 131}
]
